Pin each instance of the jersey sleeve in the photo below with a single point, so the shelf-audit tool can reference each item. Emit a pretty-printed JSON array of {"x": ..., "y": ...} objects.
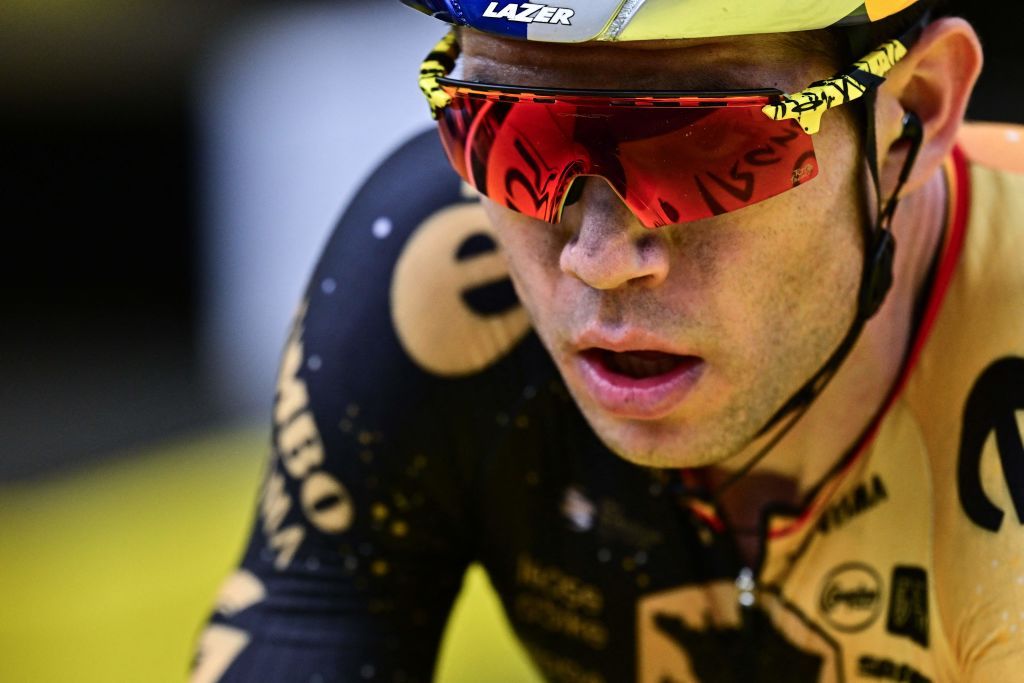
[{"x": 359, "y": 542}]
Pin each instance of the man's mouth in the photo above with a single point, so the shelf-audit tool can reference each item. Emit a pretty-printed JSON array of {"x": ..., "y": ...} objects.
[
  {"x": 639, "y": 384},
  {"x": 637, "y": 364}
]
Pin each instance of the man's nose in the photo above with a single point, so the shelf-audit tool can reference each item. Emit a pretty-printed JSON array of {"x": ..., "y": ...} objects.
[{"x": 610, "y": 248}]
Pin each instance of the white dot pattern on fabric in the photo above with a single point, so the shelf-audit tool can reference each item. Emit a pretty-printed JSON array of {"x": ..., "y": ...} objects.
[
  {"x": 604, "y": 554},
  {"x": 368, "y": 671},
  {"x": 328, "y": 285},
  {"x": 382, "y": 227},
  {"x": 314, "y": 363}
]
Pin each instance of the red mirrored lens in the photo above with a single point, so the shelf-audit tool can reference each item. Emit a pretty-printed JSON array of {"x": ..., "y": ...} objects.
[{"x": 668, "y": 163}]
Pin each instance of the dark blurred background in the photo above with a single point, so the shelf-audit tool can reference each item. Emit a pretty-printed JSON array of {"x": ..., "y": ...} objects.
[
  {"x": 105, "y": 131},
  {"x": 101, "y": 221},
  {"x": 132, "y": 134}
]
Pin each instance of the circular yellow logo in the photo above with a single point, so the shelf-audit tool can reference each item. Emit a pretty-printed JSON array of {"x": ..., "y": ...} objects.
[{"x": 447, "y": 263}]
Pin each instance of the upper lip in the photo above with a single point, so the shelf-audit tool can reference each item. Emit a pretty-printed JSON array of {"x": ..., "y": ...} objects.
[{"x": 626, "y": 341}]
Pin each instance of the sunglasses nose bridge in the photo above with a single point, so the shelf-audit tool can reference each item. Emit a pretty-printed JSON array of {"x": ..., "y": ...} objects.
[
  {"x": 600, "y": 164},
  {"x": 573, "y": 187},
  {"x": 567, "y": 187},
  {"x": 596, "y": 194},
  {"x": 610, "y": 247}
]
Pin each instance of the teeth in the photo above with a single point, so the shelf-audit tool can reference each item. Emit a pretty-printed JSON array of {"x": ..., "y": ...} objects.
[{"x": 641, "y": 365}]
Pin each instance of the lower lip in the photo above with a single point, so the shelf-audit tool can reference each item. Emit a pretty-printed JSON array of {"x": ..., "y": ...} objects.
[{"x": 649, "y": 398}]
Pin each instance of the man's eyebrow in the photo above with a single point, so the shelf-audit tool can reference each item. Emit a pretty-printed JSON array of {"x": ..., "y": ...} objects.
[{"x": 806, "y": 43}]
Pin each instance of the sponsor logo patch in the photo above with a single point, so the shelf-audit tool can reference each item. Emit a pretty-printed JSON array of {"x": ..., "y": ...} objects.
[
  {"x": 851, "y": 597},
  {"x": 468, "y": 318},
  {"x": 991, "y": 439},
  {"x": 887, "y": 669},
  {"x": 866, "y": 496},
  {"x": 530, "y": 13},
  {"x": 908, "y": 604}
]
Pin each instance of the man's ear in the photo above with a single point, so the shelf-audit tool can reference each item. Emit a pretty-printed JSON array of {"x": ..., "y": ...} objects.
[{"x": 935, "y": 81}]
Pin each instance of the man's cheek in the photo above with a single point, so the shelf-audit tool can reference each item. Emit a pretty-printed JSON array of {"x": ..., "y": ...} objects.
[{"x": 534, "y": 278}]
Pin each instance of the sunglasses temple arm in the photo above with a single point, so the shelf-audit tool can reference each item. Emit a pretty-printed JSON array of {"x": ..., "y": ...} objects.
[
  {"x": 439, "y": 63},
  {"x": 808, "y": 106}
]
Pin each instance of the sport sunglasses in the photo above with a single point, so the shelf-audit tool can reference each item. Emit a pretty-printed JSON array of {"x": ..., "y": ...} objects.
[{"x": 672, "y": 157}]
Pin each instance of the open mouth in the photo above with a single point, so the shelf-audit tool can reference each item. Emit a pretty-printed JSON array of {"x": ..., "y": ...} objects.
[
  {"x": 639, "y": 384},
  {"x": 636, "y": 364}
]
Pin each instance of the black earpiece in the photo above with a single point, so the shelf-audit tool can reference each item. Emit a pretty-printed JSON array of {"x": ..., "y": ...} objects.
[
  {"x": 913, "y": 132},
  {"x": 913, "y": 129}
]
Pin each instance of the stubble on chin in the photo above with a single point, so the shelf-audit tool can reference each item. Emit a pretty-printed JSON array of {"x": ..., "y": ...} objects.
[{"x": 674, "y": 444}]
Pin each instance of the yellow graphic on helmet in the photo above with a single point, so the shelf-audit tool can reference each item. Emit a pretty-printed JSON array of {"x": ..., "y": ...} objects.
[{"x": 880, "y": 9}]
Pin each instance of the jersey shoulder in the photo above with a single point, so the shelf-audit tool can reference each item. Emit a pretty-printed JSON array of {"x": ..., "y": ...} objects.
[
  {"x": 408, "y": 324},
  {"x": 967, "y": 396},
  {"x": 979, "y": 282},
  {"x": 999, "y": 146},
  {"x": 408, "y": 327},
  {"x": 980, "y": 314},
  {"x": 415, "y": 256},
  {"x": 986, "y": 220}
]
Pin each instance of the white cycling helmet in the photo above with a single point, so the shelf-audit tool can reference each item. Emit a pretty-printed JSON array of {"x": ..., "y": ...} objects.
[{"x": 574, "y": 21}]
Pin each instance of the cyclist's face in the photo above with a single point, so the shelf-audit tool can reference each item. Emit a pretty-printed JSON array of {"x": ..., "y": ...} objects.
[{"x": 741, "y": 308}]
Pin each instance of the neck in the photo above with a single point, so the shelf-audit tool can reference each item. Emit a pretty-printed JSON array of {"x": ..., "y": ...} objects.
[{"x": 841, "y": 414}]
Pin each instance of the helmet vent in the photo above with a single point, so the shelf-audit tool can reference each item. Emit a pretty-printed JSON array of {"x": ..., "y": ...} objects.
[{"x": 626, "y": 13}]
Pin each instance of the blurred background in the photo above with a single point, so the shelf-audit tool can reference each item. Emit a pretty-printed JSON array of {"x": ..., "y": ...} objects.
[{"x": 169, "y": 170}]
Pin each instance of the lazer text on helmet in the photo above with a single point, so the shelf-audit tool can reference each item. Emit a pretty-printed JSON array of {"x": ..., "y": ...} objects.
[{"x": 528, "y": 13}]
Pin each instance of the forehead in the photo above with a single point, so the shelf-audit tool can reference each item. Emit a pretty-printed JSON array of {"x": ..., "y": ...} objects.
[{"x": 785, "y": 61}]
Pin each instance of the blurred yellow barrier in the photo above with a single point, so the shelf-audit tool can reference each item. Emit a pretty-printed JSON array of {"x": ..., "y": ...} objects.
[{"x": 107, "y": 574}]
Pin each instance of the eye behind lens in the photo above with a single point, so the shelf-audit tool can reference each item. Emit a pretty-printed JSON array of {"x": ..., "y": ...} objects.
[{"x": 575, "y": 191}]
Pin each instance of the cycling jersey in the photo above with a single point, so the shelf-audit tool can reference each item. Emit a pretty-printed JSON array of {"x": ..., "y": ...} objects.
[{"x": 419, "y": 425}]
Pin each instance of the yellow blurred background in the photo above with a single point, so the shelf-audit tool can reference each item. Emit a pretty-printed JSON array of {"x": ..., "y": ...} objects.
[{"x": 108, "y": 573}]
